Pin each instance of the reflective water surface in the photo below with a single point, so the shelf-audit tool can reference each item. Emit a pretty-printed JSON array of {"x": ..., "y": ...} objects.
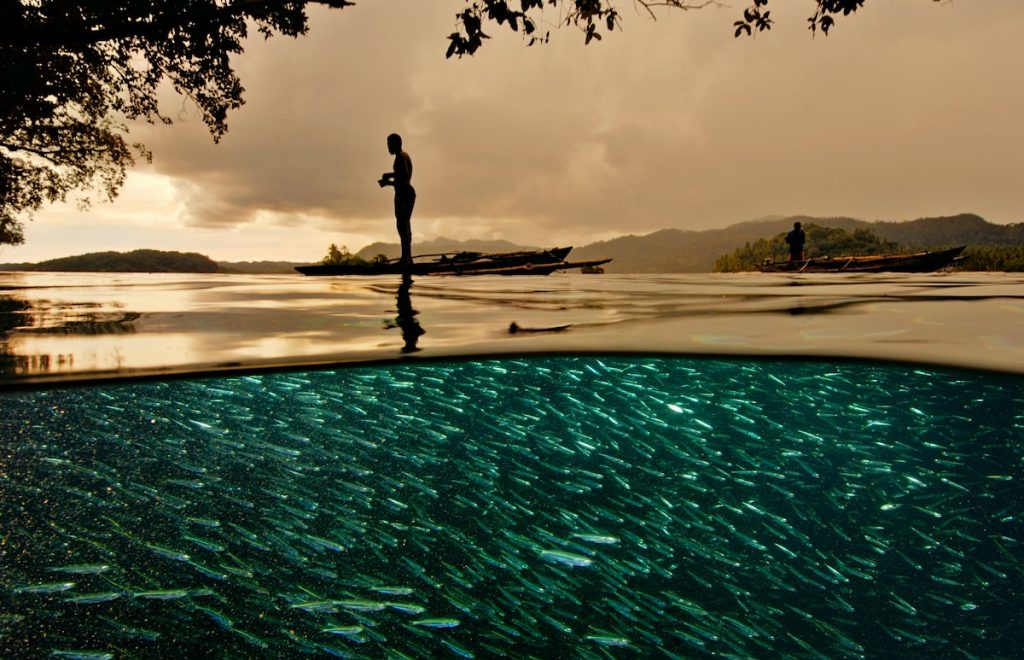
[{"x": 66, "y": 326}]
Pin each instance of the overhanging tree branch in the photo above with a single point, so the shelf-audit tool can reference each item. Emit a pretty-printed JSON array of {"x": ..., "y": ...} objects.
[
  {"x": 147, "y": 24},
  {"x": 649, "y": 7}
]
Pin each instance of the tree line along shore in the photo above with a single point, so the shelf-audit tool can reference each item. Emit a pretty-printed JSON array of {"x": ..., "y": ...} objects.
[{"x": 737, "y": 248}]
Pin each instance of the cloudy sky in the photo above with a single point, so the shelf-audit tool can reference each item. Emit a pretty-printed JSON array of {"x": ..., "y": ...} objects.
[{"x": 908, "y": 109}]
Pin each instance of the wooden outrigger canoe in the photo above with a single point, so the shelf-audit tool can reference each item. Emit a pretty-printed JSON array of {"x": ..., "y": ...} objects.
[
  {"x": 531, "y": 262},
  {"x": 529, "y": 268},
  {"x": 918, "y": 262}
]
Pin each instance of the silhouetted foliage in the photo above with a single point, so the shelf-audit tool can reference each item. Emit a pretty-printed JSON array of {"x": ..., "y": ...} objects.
[
  {"x": 993, "y": 257},
  {"x": 593, "y": 16},
  {"x": 72, "y": 74},
  {"x": 757, "y": 17},
  {"x": 821, "y": 242},
  {"x": 258, "y": 267},
  {"x": 136, "y": 261},
  {"x": 342, "y": 256}
]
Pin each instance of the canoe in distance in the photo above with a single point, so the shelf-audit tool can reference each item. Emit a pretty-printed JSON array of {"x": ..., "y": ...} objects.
[
  {"x": 918, "y": 262},
  {"x": 530, "y": 262}
]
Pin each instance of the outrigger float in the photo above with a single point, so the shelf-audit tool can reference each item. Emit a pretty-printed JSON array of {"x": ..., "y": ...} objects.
[{"x": 528, "y": 262}]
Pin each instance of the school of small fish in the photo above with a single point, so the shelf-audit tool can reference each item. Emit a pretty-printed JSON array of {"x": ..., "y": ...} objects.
[{"x": 584, "y": 507}]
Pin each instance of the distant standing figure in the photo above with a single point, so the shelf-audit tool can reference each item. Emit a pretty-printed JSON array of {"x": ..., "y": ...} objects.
[
  {"x": 796, "y": 240},
  {"x": 405, "y": 195}
]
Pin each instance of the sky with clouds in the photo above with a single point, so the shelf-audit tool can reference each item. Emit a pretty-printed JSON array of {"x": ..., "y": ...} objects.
[{"x": 908, "y": 109}]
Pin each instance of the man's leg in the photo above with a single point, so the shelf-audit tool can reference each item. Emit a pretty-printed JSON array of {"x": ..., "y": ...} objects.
[
  {"x": 403, "y": 218},
  {"x": 405, "y": 238}
]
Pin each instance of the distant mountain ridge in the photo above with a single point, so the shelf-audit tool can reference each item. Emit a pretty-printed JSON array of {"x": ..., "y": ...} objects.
[
  {"x": 681, "y": 251},
  {"x": 948, "y": 231},
  {"x": 664, "y": 251}
]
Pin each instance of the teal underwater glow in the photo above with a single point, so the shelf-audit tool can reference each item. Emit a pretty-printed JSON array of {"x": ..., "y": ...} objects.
[{"x": 558, "y": 506}]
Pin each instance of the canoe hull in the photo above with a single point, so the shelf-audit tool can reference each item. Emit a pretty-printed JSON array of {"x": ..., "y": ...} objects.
[
  {"x": 919, "y": 262},
  {"x": 460, "y": 263},
  {"x": 531, "y": 269}
]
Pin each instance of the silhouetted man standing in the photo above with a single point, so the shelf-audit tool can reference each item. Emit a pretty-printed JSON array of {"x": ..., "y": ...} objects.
[
  {"x": 796, "y": 240},
  {"x": 405, "y": 194}
]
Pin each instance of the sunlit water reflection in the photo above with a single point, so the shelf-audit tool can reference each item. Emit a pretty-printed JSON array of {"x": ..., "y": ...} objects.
[{"x": 59, "y": 326}]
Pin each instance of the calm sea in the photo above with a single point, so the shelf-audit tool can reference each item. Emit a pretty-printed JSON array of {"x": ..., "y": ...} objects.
[{"x": 564, "y": 466}]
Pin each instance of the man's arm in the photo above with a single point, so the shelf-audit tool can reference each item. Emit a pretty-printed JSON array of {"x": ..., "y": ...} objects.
[{"x": 402, "y": 174}]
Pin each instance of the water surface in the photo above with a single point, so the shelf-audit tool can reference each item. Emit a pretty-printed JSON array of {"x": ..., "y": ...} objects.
[{"x": 68, "y": 326}]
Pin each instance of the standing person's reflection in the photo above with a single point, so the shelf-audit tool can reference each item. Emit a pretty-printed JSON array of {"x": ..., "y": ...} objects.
[{"x": 406, "y": 319}]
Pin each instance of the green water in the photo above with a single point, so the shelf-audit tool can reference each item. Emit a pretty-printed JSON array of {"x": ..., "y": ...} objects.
[{"x": 574, "y": 507}]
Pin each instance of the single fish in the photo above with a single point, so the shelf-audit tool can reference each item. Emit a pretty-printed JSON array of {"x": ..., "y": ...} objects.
[
  {"x": 597, "y": 538},
  {"x": 458, "y": 650},
  {"x": 219, "y": 618},
  {"x": 407, "y": 608},
  {"x": 162, "y": 594},
  {"x": 566, "y": 558},
  {"x": 315, "y": 606},
  {"x": 345, "y": 631},
  {"x": 167, "y": 553},
  {"x": 361, "y": 605},
  {"x": 80, "y": 569},
  {"x": 252, "y": 639},
  {"x": 607, "y": 640},
  {"x": 49, "y": 588},
  {"x": 394, "y": 591},
  {"x": 89, "y": 599},
  {"x": 205, "y": 522},
  {"x": 437, "y": 623},
  {"x": 205, "y": 544}
]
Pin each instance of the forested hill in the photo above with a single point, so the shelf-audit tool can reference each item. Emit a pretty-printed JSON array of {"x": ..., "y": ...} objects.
[
  {"x": 679, "y": 251},
  {"x": 965, "y": 229},
  {"x": 136, "y": 261}
]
